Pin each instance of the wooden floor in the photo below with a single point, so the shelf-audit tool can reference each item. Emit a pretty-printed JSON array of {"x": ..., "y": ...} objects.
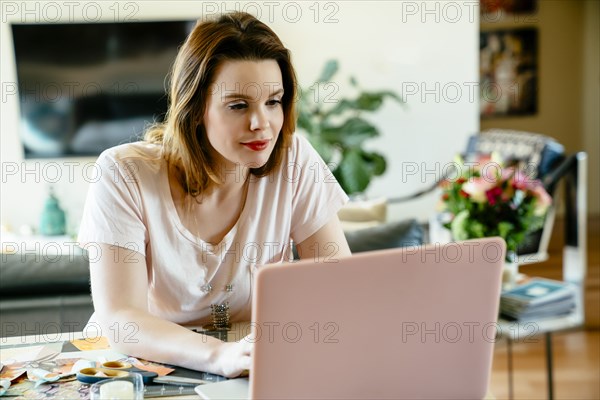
[{"x": 576, "y": 353}]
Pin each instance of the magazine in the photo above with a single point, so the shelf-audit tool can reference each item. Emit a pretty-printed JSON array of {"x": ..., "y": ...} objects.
[{"x": 538, "y": 298}]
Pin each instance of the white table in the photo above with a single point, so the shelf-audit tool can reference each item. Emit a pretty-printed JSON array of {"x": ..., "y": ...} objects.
[{"x": 527, "y": 330}]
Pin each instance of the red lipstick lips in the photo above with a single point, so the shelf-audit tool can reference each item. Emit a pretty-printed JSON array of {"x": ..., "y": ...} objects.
[{"x": 257, "y": 145}]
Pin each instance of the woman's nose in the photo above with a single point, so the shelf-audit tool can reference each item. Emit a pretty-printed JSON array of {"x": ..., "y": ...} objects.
[{"x": 259, "y": 120}]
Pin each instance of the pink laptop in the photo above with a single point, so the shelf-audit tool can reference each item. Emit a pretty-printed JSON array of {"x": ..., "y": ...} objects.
[{"x": 416, "y": 322}]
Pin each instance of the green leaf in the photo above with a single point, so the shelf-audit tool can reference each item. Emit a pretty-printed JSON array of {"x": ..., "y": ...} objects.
[
  {"x": 366, "y": 101},
  {"x": 331, "y": 67},
  {"x": 393, "y": 96},
  {"x": 459, "y": 226},
  {"x": 351, "y": 174},
  {"x": 340, "y": 107},
  {"x": 477, "y": 229},
  {"x": 369, "y": 101},
  {"x": 504, "y": 229},
  {"x": 376, "y": 162},
  {"x": 536, "y": 222},
  {"x": 351, "y": 133}
]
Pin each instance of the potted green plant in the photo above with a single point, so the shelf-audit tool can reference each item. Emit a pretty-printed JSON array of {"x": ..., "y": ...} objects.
[{"x": 337, "y": 130}]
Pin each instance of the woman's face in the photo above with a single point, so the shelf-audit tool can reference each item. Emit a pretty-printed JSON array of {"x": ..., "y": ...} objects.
[{"x": 244, "y": 114}]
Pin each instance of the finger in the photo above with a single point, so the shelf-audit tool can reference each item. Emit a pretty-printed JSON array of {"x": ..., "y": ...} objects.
[
  {"x": 247, "y": 347},
  {"x": 246, "y": 362},
  {"x": 252, "y": 337}
]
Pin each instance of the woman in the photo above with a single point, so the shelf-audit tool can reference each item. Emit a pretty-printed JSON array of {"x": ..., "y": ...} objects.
[{"x": 183, "y": 219}]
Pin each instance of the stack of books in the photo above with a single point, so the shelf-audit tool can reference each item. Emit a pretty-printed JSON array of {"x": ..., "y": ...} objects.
[{"x": 537, "y": 298}]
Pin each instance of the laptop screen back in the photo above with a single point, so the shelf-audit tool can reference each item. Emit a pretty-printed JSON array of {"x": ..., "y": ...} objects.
[{"x": 417, "y": 322}]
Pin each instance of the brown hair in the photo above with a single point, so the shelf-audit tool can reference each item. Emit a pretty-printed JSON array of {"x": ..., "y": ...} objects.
[{"x": 233, "y": 36}]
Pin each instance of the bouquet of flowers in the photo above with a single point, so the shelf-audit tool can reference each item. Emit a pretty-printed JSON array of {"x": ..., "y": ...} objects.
[{"x": 484, "y": 198}]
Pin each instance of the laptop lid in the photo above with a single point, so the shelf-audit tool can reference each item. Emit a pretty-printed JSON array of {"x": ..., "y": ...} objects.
[{"x": 416, "y": 322}]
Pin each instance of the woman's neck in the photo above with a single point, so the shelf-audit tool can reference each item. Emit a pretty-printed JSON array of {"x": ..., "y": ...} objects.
[
  {"x": 233, "y": 182},
  {"x": 233, "y": 179}
]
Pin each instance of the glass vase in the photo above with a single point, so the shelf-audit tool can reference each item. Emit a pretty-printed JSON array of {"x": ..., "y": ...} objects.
[{"x": 510, "y": 271}]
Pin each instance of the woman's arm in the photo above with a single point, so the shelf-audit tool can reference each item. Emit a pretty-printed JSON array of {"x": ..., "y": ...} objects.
[
  {"x": 120, "y": 293},
  {"x": 327, "y": 244}
]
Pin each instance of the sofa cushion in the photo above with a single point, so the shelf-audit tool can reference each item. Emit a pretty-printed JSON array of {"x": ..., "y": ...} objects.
[
  {"x": 386, "y": 236},
  {"x": 34, "y": 275}
]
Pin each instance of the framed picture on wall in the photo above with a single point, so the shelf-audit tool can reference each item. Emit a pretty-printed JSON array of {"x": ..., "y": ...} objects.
[
  {"x": 508, "y": 72},
  {"x": 507, "y": 6}
]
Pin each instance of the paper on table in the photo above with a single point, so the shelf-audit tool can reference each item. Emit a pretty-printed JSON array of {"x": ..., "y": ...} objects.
[
  {"x": 19, "y": 354},
  {"x": 12, "y": 372},
  {"x": 17, "y": 359},
  {"x": 40, "y": 376},
  {"x": 42, "y": 352},
  {"x": 4, "y": 385},
  {"x": 99, "y": 343},
  {"x": 94, "y": 355},
  {"x": 160, "y": 369}
]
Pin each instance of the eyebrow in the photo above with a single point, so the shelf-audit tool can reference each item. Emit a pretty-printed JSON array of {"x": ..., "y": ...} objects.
[{"x": 246, "y": 97}]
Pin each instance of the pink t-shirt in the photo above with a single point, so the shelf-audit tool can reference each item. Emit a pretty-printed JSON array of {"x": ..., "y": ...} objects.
[{"x": 130, "y": 206}]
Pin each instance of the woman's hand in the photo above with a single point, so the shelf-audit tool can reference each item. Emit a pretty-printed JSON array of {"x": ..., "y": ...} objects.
[{"x": 233, "y": 358}]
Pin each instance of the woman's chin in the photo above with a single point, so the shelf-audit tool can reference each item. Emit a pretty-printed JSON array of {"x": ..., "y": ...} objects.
[{"x": 256, "y": 163}]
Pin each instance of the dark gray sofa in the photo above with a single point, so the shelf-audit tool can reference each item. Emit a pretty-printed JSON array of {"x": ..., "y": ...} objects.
[{"x": 44, "y": 295}]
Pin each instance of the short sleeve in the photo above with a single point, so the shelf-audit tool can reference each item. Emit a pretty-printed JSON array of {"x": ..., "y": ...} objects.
[
  {"x": 317, "y": 195},
  {"x": 113, "y": 213}
]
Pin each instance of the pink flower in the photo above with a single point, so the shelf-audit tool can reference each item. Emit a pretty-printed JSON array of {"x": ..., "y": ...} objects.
[
  {"x": 543, "y": 200},
  {"x": 484, "y": 158},
  {"x": 476, "y": 188},
  {"x": 523, "y": 182},
  {"x": 508, "y": 173}
]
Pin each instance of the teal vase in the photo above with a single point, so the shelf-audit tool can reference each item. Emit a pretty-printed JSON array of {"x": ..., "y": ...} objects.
[{"x": 53, "y": 221}]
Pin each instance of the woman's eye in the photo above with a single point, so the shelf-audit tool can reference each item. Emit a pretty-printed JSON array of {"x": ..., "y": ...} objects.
[
  {"x": 237, "y": 106},
  {"x": 273, "y": 102}
]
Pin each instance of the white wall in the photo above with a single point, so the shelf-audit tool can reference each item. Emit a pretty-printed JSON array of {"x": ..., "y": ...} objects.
[{"x": 427, "y": 51}]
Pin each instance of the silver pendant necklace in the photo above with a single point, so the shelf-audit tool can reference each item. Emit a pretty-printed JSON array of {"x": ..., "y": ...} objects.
[{"x": 219, "y": 312}]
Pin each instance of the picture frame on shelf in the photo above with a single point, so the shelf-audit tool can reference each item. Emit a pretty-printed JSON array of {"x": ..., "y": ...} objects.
[{"x": 508, "y": 72}]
